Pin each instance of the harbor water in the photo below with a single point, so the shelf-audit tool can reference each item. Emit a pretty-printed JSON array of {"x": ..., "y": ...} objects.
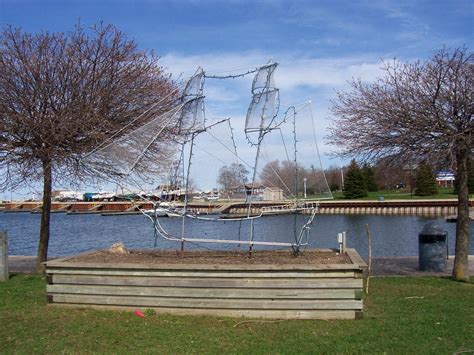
[{"x": 71, "y": 234}]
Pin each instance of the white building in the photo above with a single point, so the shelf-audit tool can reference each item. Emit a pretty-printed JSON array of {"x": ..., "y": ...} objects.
[
  {"x": 272, "y": 194},
  {"x": 445, "y": 178}
]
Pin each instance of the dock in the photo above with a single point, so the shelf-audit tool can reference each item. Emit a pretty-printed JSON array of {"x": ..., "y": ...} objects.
[
  {"x": 126, "y": 213},
  {"x": 454, "y": 218},
  {"x": 441, "y": 208}
]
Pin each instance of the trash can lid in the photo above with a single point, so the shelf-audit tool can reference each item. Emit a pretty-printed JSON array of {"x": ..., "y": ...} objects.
[{"x": 431, "y": 228}]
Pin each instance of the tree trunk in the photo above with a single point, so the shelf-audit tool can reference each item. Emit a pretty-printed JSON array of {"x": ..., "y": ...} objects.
[
  {"x": 460, "y": 271},
  {"x": 42, "y": 255}
]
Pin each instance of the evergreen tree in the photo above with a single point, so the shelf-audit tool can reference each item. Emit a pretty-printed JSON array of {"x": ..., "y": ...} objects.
[
  {"x": 425, "y": 181},
  {"x": 369, "y": 177},
  {"x": 354, "y": 183}
]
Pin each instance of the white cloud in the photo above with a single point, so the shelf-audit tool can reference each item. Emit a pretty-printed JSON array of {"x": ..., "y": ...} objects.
[
  {"x": 212, "y": 63},
  {"x": 328, "y": 73},
  {"x": 293, "y": 71},
  {"x": 412, "y": 27}
]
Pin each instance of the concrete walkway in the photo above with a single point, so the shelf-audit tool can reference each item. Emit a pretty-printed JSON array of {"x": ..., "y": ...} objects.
[
  {"x": 21, "y": 264},
  {"x": 387, "y": 266},
  {"x": 408, "y": 266}
]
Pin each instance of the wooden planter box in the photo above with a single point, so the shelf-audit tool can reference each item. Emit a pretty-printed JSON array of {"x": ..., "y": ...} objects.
[{"x": 259, "y": 291}]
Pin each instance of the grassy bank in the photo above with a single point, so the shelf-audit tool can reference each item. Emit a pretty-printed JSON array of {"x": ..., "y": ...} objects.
[
  {"x": 416, "y": 315},
  {"x": 443, "y": 193}
]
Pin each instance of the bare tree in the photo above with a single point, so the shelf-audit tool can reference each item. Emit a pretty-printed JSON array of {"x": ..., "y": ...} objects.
[
  {"x": 334, "y": 176},
  {"x": 234, "y": 175},
  {"x": 390, "y": 177},
  {"x": 269, "y": 175},
  {"x": 61, "y": 94},
  {"x": 416, "y": 113},
  {"x": 290, "y": 177},
  {"x": 282, "y": 175}
]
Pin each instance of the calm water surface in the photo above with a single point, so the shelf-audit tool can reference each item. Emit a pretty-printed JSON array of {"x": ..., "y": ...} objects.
[{"x": 70, "y": 234}]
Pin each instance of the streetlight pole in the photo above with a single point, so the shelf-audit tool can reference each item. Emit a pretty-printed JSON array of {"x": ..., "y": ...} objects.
[
  {"x": 342, "y": 178},
  {"x": 304, "y": 184}
]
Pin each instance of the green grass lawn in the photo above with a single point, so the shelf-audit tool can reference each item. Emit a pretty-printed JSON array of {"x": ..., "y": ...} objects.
[
  {"x": 402, "y": 315},
  {"x": 443, "y": 193}
]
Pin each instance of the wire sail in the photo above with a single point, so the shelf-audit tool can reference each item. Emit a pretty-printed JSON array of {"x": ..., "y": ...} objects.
[
  {"x": 264, "y": 106},
  {"x": 150, "y": 148},
  {"x": 192, "y": 117},
  {"x": 133, "y": 150},
  {"x": 290, "y": 158}
]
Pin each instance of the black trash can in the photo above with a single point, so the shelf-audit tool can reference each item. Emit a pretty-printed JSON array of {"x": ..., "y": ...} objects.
[{"x": 432, "y": 248}]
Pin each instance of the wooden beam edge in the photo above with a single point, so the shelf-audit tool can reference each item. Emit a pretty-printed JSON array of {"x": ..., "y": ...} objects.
[
  {"x": 59, "y": 261},
  {"x": 356, "y": 259},
  {"x": 297, "y": 315},
  {"x": 200, "y": 267}
]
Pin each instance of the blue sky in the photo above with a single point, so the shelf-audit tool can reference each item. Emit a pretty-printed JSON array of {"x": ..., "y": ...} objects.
[
  {"x": 319, "y": 29},
  {"x": 320, "y": 45}
]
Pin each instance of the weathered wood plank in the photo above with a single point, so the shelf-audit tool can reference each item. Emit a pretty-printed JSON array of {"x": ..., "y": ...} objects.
[
  {"x": 69, "y": 257},
  {"x": 271, "y": 291},
  {"x": 4, "y": 274},
  {"x": 267, "y": 314},
  {"x": 209, "y": 303},
  {"x": 207, "y": 282},
  {"x": 205, "y": 292},
  {"x": 356, "y": 258},
  {"x": 201, "y": 274},
  {"x": 184, "y": 266}
]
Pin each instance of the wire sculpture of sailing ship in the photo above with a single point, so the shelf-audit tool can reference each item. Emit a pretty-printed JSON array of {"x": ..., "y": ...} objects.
[{"x": 268, "y": 165}]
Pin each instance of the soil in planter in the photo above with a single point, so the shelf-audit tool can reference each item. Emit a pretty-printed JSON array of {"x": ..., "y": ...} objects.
[{"x": 279, "y": 257}]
